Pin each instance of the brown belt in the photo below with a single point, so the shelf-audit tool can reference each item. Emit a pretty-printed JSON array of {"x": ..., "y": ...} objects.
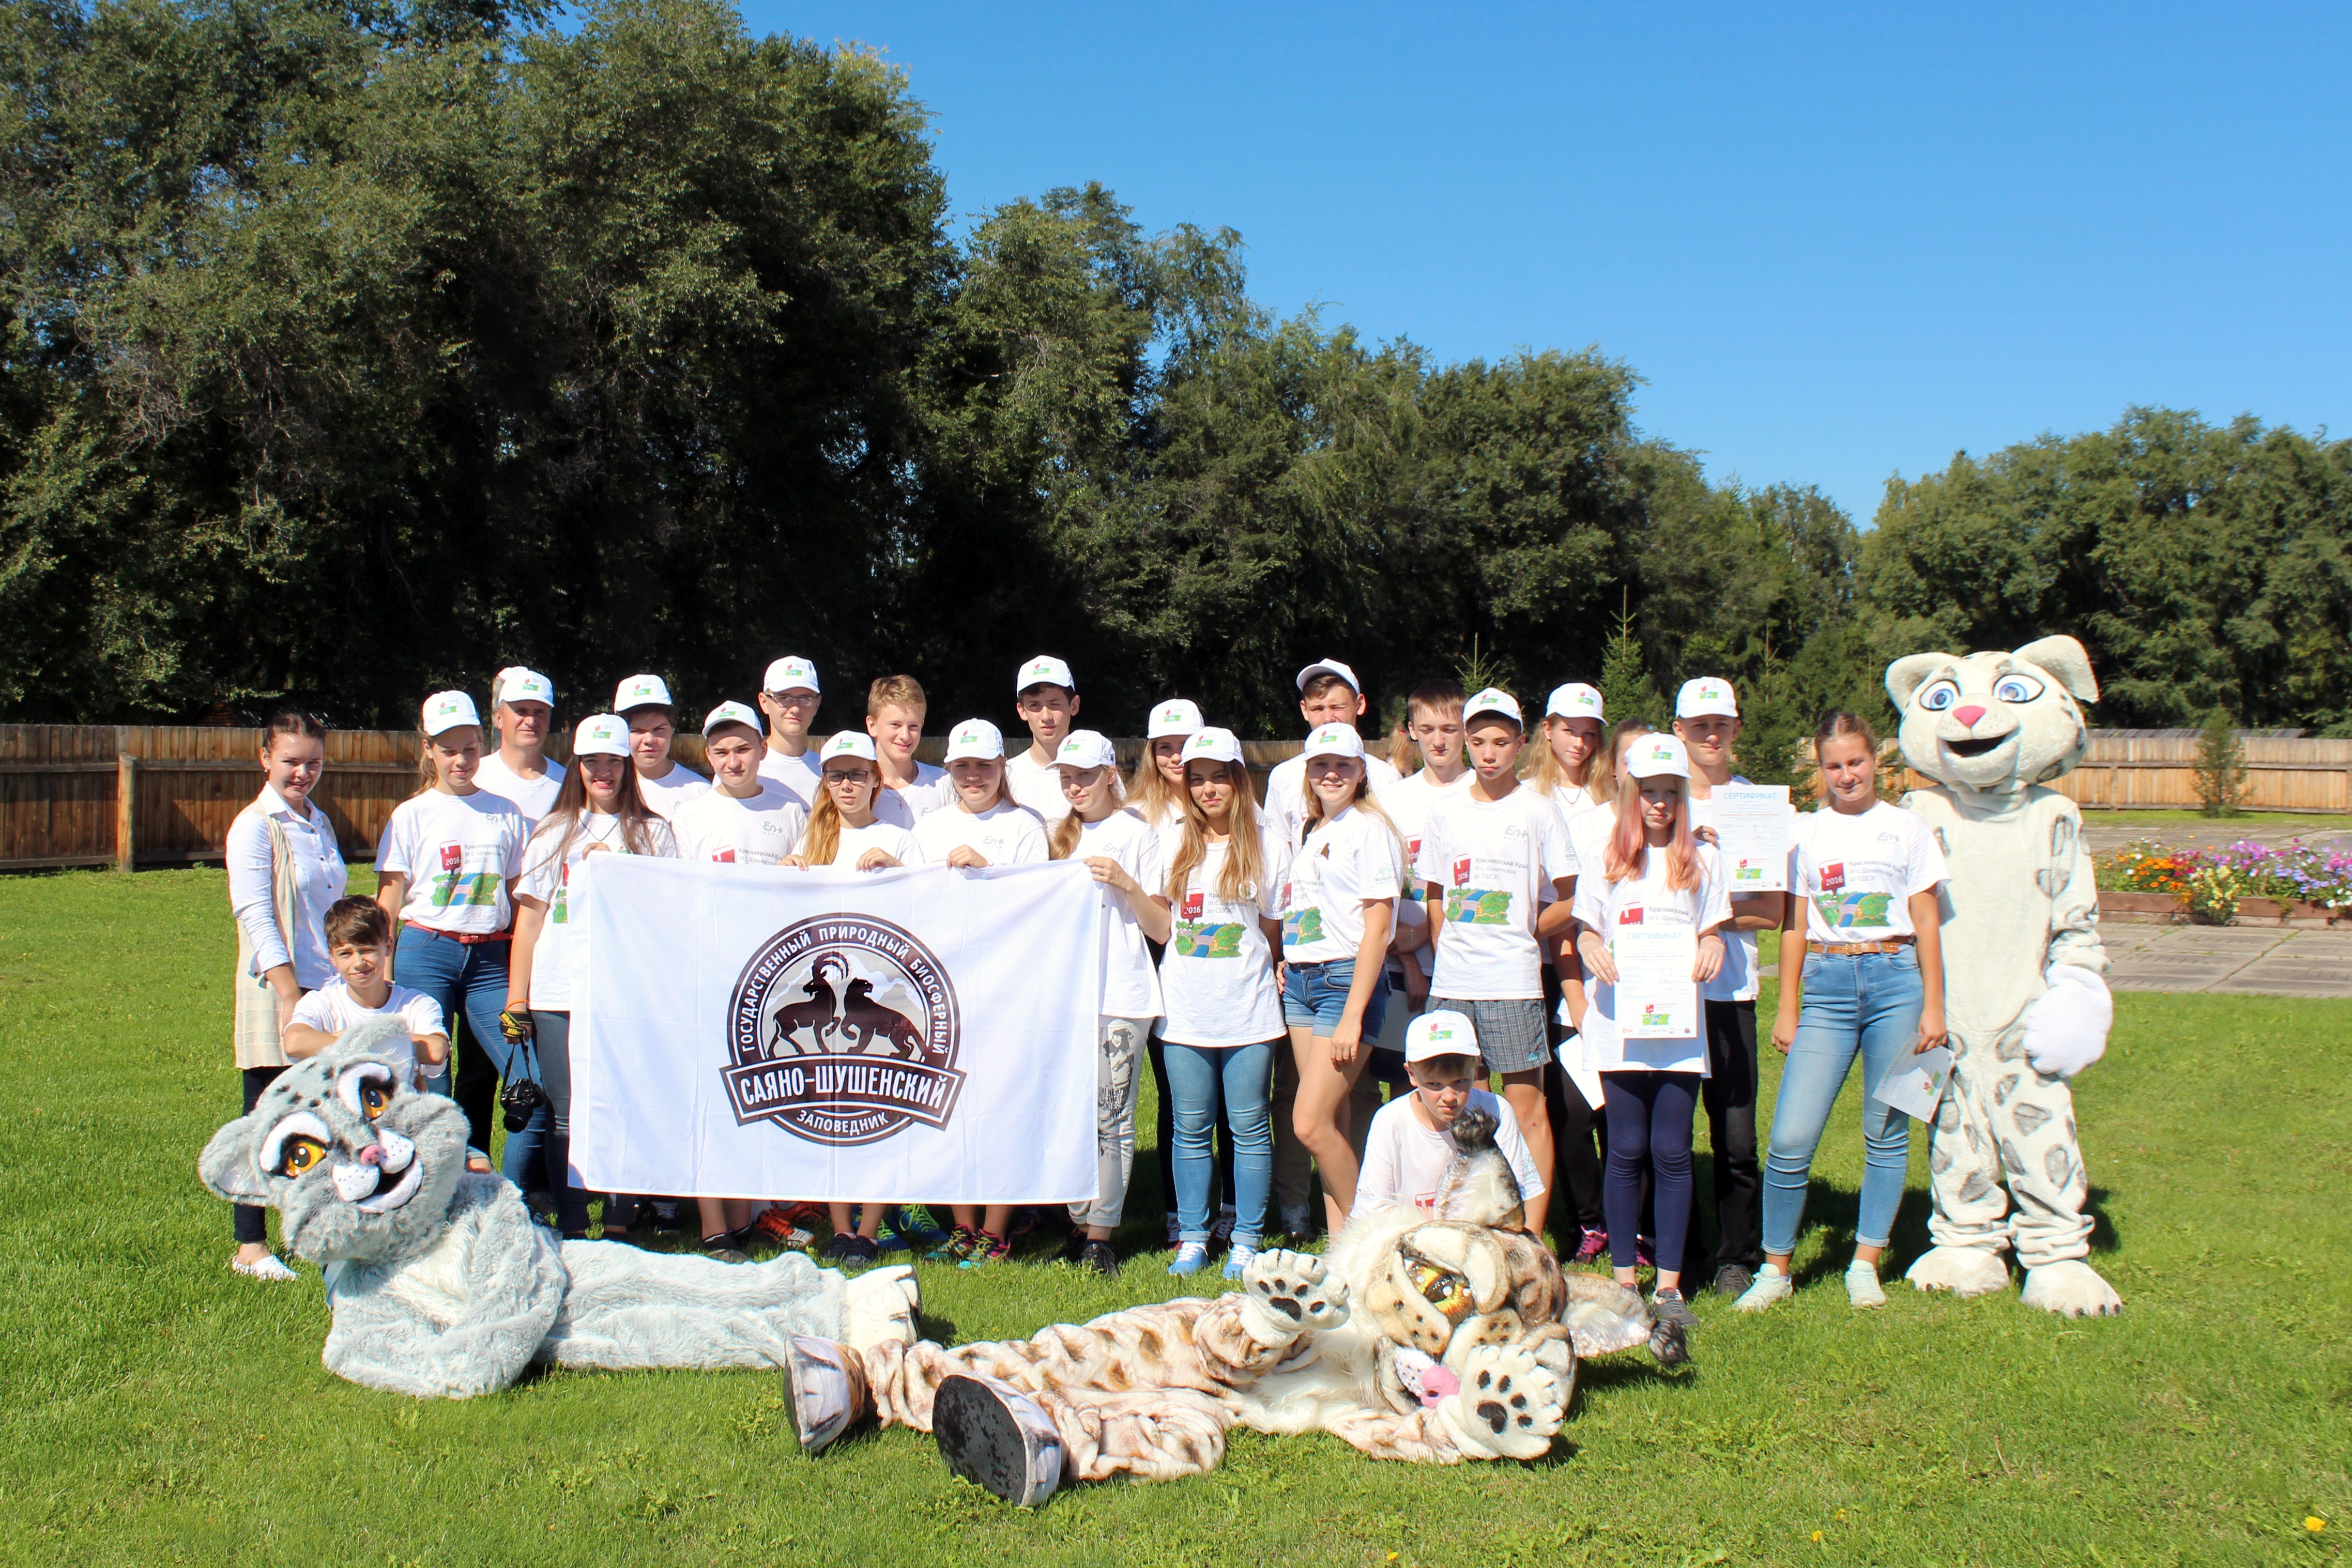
[
  {"x": 1853, "y": 949},
  {"x": 470, "y": 938}
]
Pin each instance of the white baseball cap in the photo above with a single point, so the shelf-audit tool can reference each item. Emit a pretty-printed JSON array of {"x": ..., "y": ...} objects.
[
  {"x": 1708, "y": 695},
  {"x": 1175, "y": 716},
  {"x": 732, "y": 713},
  {"x": 789, "y": 673},
  {"x": 1335, "y": 740},
  {"x": 642, "y": 690},
  {"x": 1044, "y": 670},
  {"x": 848, "y": 743},
  {"x": 447, "y": 710},
  {"x": 1494, "y": 699},
  {"x": 1440, "y": 1033},
  {"x": 976, "y": 737},
  {"x": 1213, "y": 745},
  {"x": 515, "y": 684},
  {"x": 601, "y": 735},
  {"x": 1086, "y": 749},
  {"x": 1656, "y": 754},
  {"x": 1330, "y": 667},
  {"x": 1576, "y": 700}
]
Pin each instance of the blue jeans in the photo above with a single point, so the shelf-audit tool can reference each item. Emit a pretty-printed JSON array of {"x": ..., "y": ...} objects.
[
  {"x": 1244, "y": 1075},
  {"x": 1316, "y": 994},
  {"x": 469, "y": 980},
  {"x": 1870, "y": 1003}
]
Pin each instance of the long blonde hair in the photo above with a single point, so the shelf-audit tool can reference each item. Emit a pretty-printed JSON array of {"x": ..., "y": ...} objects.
[
  {"x": 1549, "y": 774},
  {"x": 1629, "y": 847},
  {"x": 1062, "y": 841},
  {"x": 1362, "y": 801},
  {"x": 821, "y": 841},
  {"x": 1148, "y": 789},
  {"x": 1245, "y": 867}
]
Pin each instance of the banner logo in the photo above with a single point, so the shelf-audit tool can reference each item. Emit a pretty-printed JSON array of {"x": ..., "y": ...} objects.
[{"x": 844, "y": 1031}]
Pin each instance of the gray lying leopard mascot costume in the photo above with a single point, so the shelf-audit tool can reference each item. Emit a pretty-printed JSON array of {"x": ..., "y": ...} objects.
[
  {"x": 1426, "y": 1334},
  {"x": 443, "y": 1287},
  {"x": 2023, "y": 962}
]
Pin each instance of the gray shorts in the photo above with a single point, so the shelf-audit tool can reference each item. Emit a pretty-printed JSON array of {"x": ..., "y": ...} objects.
[{"x": 1511, "y": 1034}]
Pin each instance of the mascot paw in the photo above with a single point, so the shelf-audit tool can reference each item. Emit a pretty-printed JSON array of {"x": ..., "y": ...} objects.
[
  {"x": 1963, "y": 1271},
  {"x": 1509, "y": 1407},
  {"x": 2066, "y": 1027},
  {"x": 2072, "y": 1288},
  {"x": 1289, "y": 1294}
]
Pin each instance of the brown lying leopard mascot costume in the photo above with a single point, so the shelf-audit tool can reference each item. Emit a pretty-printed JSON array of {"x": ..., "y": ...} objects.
[
  {"x": 1428, "y": 1335},
  {"x": 2023, "y": 962}
]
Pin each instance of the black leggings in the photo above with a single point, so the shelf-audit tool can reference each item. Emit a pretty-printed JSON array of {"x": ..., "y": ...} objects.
[
  {"x": 1650, "y": 1118},
  {"x": 251, "y": 1219}
]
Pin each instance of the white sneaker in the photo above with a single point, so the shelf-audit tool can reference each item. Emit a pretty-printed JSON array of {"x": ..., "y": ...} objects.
[
  {"x": 1771, "y": 1285},
  {"x": 268, "y": 1266},
  {"x": 1862, "y": 1287}
]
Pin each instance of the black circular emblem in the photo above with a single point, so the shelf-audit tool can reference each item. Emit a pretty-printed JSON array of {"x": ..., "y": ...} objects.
[{"x": 843, "y": 1030}]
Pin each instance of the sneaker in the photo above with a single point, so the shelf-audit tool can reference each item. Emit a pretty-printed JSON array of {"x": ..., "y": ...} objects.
[
  {"x": 1175, "y": 1232},
  {"x": 665, "y": 1218},
  {"x": 1024, "y": 1221},
  {"x": 986, "y": 1250},
  {"x": 1299, "y": 1223},
  {"x": 1861, "y": 1286},
  {"x": 1240, "y": 1258},
  {"x": 1191, "y": 1257},
  {"x": 777, "y": 1226},
  {"x": 1646, "y": 1254},
  {"x": 837, "y": 1249},
  {"x": 957, "y": 1246},
  {"x": 1101, "y": 1258},
  {"x": 722, "y": 1250},
  {"x": 1733, "y": 1279},
  {"x": 863, "y": 1252},
  {"x": 1668, "y": 1307},
  {"x": 1771, "y": 1285},
  {"x": 1222, "y": 1232},
  {"x": 1073, "y": 1246},
  {"x": 1594, "y": 1245},
  {"x": 911, "y": 1225},
  {"x": 268, "y": 1266}
]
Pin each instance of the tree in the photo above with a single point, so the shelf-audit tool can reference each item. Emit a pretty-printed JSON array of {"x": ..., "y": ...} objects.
[{"x": 2220, "y": 767}]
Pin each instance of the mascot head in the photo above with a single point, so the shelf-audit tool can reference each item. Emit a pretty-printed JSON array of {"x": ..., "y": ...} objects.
[
  {"x": 361, "y": 1165},
  {"x": 1994, "y": 722}
]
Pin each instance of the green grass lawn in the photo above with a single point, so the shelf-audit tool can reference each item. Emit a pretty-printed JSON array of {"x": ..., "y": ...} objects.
[
  {"x": 159, "y": 1409},
  {"x": 2157, "y": 819}
]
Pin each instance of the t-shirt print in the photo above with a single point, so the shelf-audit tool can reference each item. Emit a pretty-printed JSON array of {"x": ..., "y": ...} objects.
[
  {"x": 453, "y": 885},
  {"x": 1468, "y": 906},
  {"x": 1197, "y": 938}
]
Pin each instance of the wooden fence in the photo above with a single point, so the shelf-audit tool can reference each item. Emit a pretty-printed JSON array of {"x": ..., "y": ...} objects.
[{"x": 131, "y": 795}]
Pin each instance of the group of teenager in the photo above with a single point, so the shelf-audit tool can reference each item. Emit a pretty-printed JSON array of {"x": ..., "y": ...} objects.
[{"x": 1431, "y": 921}]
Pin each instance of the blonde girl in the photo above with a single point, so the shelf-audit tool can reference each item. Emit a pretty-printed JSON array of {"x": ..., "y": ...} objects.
[
  {"x": 1155, "y": 791},
  {"x": 1570, "y": 767}
]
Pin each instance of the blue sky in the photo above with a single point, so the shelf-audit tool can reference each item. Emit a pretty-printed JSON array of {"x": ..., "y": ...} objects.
[{"x": 1838, "y": 244}]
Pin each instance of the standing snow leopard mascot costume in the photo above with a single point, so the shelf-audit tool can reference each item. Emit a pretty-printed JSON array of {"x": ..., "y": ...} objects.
[{"x": 2022, "y": 961}]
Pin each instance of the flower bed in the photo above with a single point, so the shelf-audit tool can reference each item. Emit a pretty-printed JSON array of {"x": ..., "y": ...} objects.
[{"x": 2252, "y": 882}]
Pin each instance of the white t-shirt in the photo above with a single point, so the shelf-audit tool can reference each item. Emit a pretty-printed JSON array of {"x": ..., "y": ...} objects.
[
  {"x": 1346, "y": 861},
  {"x": 895, "y": 842},
  {"x": 1496, "y": 862},
  {"x": 331, "y": 1008},
  {"x": 1286, "y": 793},
  {"x": 1217, "y": 978},
  {"x": 1737, "y": 980},
  {"x": 552, "y": 958},
  {"x": 929, "y": 792},
  {"x": 1036, "y": 784},
  {"x": 1645, "y": 900},
  {"x": 1408, "y": 803},
  {"x": 1857, "y": 872},
  {"x": 1131, "y": 988},
  {"x": 1404, "y": 1159},
  {"x": 1003, "y": 836},
  {"x": 760, "y": 830},
  {"x": 1571, "y": 802},
  {"x": 461, "y": 854},
  {"x": 665, "y": 795},
  {"x": 1588, "y": 843},
  {"x": 798, "y": 775},
  {"x": 535, "y": 798}
]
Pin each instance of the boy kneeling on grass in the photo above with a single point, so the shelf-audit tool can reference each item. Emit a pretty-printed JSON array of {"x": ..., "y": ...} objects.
[
  {"x": 359, "y": 944},
  {"x": 1412, "y": 1139}
]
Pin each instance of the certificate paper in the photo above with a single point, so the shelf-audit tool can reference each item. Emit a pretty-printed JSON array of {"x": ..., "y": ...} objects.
[
  {"x": 1916, "y": 1084},
  {"x": 1751, "y": 831},
  {"x": 1656, "y": 997}
]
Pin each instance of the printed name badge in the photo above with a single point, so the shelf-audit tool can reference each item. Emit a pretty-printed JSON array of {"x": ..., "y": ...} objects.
[
  {"x": 1833, "y": 876},
  {"x": 452, "y": 856},
  {"x": 1630, "y": 915}
]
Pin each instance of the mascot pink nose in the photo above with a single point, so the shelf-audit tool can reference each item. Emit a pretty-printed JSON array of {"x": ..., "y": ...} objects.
[
  {"x": 372, "y": 1155},
  {"x": 1969, "y": 715}
]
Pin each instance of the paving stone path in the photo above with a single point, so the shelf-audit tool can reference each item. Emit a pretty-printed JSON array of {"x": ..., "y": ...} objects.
[{"x": 2240, "y": 960}]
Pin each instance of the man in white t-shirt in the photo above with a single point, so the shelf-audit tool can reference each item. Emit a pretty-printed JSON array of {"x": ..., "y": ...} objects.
[
  {"x": 908, "y": 791},
  {"x": 1328, "y": 692},
  {"x": 1707, "y": 721},
  {"x": 1495, "y": 870},
  {"x": 743, "y": 818},
  {"x": 522, "y": 705},
  {"x": 1434, "y": 719},
  {"x": 790, "y": 696},
  {"x": 643, "y": 704},
  {"x": 1411, "y": 1140},
  {"x": 1047, "y": 696},
  {"x": 359, "y": 939}
]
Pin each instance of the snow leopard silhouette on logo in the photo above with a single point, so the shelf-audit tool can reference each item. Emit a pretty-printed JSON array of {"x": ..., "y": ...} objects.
[{"x": 885, "y": 1060}]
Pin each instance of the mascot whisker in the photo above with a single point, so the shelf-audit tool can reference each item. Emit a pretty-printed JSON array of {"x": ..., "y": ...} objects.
[
  {"x": 2023, "y": 991},
  {"x": 442, "y": 1284},
  {"x": 1427, "y": 1335}
]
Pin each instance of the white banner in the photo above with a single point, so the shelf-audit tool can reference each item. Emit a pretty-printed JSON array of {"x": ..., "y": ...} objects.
[{"x": 925, "y": 1034}]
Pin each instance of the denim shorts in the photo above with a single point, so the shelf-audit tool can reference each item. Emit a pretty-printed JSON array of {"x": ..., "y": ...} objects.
[{"x": 1316, "y": 994}]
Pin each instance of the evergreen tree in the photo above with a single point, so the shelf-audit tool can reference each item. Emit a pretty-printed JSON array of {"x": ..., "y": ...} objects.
[{"x": 2221, "y": 766}]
